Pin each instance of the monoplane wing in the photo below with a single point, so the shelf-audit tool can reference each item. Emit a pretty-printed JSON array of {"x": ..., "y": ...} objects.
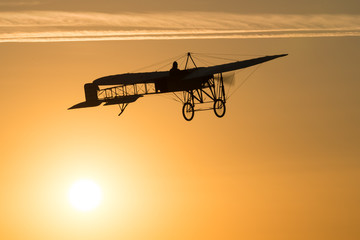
[
  {"x": 131, "y": 78},
  {"x": 208, "y": 71}
]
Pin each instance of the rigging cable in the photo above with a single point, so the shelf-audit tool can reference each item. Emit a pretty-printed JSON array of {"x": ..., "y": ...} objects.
[
  {"x": 243, "y": 82},
  {"x": 158, "y": 63}
]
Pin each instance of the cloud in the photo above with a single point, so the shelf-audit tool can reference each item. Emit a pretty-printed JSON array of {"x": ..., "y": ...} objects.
[
  {"x": 52, "y": 26},
  {"x": 16, "y": 4}
]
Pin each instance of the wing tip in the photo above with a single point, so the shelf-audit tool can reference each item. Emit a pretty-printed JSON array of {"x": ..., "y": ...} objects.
[{"x": 278, "y": 55}]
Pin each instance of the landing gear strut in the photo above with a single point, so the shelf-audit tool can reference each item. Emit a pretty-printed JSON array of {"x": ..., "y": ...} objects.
[{"x": 212, "y": 90}]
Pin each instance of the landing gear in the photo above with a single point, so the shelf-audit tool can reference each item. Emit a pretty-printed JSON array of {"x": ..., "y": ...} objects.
[
  {"x": 219, "y": 97},
  {"x": 188, "y": 111},
  {"x": 212, "y": 92},
  {"x": 208, "y": 92},
  {"x": 219, "y": 108}
]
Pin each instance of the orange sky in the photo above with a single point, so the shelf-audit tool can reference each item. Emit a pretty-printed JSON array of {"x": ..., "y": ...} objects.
[{"x": 282, "y": 164}]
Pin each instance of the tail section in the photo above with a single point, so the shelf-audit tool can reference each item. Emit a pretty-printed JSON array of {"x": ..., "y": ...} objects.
[
  {"x": 91, "y": 97},
  {"x": 91, "y": 92}
]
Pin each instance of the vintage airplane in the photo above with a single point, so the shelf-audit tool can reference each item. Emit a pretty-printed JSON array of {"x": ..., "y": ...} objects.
[{"x": 196, "y": 85}]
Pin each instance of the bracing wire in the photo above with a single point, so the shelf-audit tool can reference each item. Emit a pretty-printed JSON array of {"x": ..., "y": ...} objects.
[
  {"x": 158, "y": 63},
  {"x": 227, "y": 54},
  {"x": 182, "y": 61},
  {"x": 222, "y": 58},
  {"x": 206, "y": 63},
  {"x": 178, "y": 99},
  {"x": 200, "y": 58},
  {"x": 243, "y": 82},
  {"x": 219, "y": 56},
  {"x": 167, "y": 63}
]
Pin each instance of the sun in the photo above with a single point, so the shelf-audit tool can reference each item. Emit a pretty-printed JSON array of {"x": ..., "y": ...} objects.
[{"x": 85, "y": 195}]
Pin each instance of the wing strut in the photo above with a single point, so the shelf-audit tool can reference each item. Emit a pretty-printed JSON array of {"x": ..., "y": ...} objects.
[{"x": 187, "y": 60}]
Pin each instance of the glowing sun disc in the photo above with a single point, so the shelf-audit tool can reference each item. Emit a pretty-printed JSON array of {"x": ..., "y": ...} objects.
[{"x": 85, "y": 195}]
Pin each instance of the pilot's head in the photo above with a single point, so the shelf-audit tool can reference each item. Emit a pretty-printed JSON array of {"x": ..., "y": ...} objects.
[{"x": 175, "y": 65}]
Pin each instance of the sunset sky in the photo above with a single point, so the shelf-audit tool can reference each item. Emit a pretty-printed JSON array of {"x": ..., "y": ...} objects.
[{"x": 283, "y": 163}]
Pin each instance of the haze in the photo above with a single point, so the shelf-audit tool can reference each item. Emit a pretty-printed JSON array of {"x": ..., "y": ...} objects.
[{"x": 282, "y": 164}]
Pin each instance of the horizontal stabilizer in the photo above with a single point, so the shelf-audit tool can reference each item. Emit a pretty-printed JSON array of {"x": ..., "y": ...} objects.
[
  {"x": 86, "y": 104},
  {"x": 121, "y": 100}
]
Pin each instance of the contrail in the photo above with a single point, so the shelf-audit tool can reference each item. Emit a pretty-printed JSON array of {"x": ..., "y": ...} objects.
[
  {"x": 51, "y": 26},
  {"x": 16, "y": 4}
]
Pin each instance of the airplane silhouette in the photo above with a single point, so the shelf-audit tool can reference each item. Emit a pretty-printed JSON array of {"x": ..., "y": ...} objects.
[{"x": 197, "y": 85}]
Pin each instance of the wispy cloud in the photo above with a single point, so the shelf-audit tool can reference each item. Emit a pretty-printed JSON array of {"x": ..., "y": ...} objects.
[
  {"x": 21, "y": 3},
  {"x": 40, "y": 26}
]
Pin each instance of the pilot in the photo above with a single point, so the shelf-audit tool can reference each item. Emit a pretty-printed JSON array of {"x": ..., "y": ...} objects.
[{"x": 174, "y": 70}]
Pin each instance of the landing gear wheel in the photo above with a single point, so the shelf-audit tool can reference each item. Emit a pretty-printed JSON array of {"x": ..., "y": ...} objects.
[
  {"x": 188, "y": 111},
  {"x": 219, "y": 108}
]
